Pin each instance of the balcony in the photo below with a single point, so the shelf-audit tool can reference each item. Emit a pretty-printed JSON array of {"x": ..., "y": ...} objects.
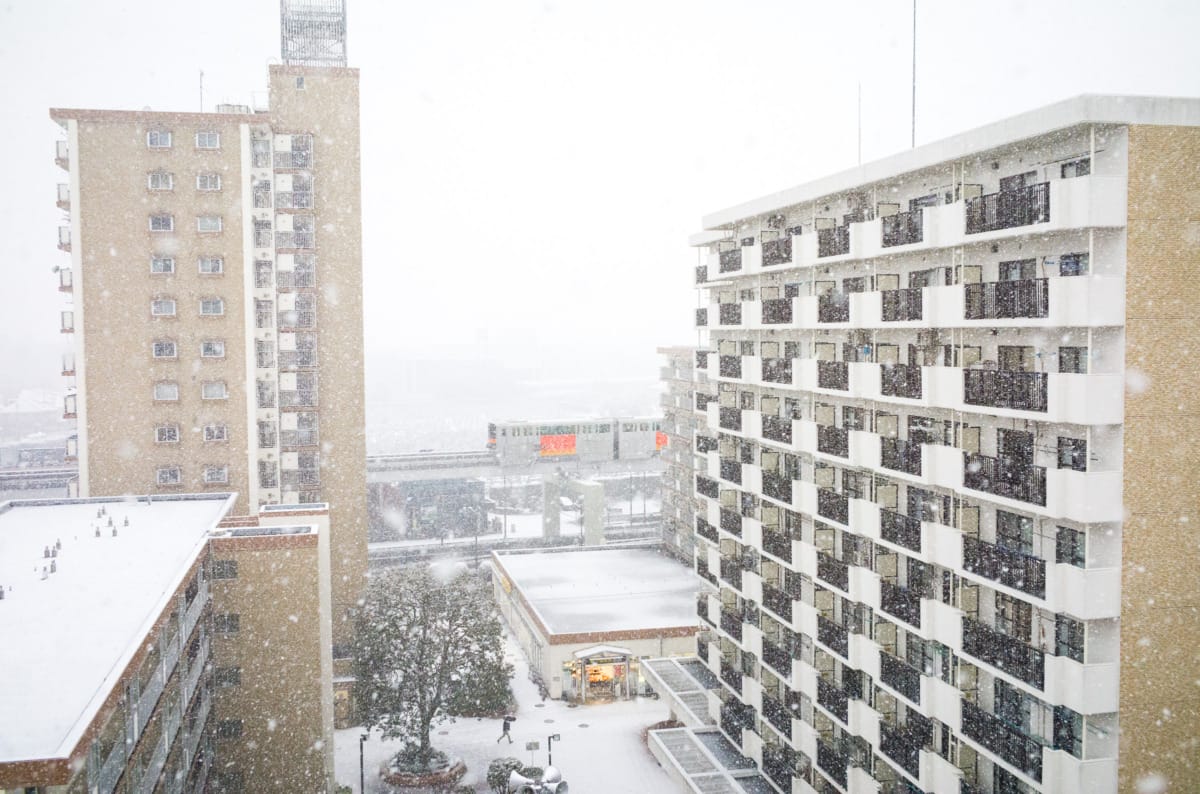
[
  {"x": 900, "y": 602},
  {"x": 778, "y": 658},
  {"x": 833, "y": 700},
  {"x": 900, "y": 676},
  {"x": 707, "y": 531},
  {"x": 1003, "y": 652},
  {"x": 776, "y": 543},
  {"x": 777, "y": 486},
  {"x": 295, "y": 318},
  {"x": 903, "y": 228},
  {"x": 66, "y": 280},
  {"x": 733, "y": 677},
  {"x": 701, "y": 317},
  {"x": 833, "y": 441},
  {"x": 899, "y": 529},
  {"x": 1025, "y": 299},
  {"x": 298, "y": 399},
  {"x": 834, "y": 637},
  {"x": 902, "y": 305},
  {"x": 731, "y": 471},
  {"x": 64, "y": 238},
  {"x": 900, "y": 380},
  {"x": 701, "y": 274},
  {"x": 731, "y": 522},
  {"x": 833, "y": 571},
  {"x": 730, "y": 366},
  {"x": 64, "y": 197},
  {"x": 1009, "y": 209},
  {"x": 999, "y": 737},
  {"x": 777, "y": 311},
  {"x": 777, "y": 370},
  {"x": 833, "y": 242},
  {"x": 1010, "y": 568},
  {"x": 292, "y": 479},
  {"x": 900, "y": 455},
  {"x": 62, "y": 155},
  {"x": 834, "y": 375},
  {"x": 902, "y": 746},
  {"x": 730, "y": 314},
  {"x": 730, "y": 419},
  {"x": 776, "y": 428},
  {"x": 301, "y": 240},
  {"x": 833, "y": 307},
  {"x": 778, "y": 601},
  {"x": 833, "y": 505},
  {"x": 778, "y": 715},
  {"x": 66, "y": 322},
  {"x": 299, "y": 438},
  {"x": 1005, "y": 477},
  {"x": 833, "y": 763},
  {"x": 731, "y": 260},
  {"x": 68, "y": 365},
  {"x": 777, "y": 252},
  {"x": 297, "y": 359},
  {"x": 1018, "y": 391},
  {"x": 708, "y": 487},
  {"x": 731, "y": 623}
]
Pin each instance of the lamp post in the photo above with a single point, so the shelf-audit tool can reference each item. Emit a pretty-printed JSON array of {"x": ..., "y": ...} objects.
[
  {"x": 362, "y": 774},
  {"x": 550, "y": 740}
]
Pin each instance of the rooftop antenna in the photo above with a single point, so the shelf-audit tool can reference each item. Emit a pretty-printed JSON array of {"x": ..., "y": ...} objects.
[
  {"x": 201, "y": 90},
  {"x": 860, "y": 122},
  {"x": 914, "y": 78}
]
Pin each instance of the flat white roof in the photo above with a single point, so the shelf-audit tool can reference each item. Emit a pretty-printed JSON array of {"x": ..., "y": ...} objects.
[
  {"x": 1085, "y": 109},
  {"x": 69, "y": 637},
  {"x": 604, "y": 589}
]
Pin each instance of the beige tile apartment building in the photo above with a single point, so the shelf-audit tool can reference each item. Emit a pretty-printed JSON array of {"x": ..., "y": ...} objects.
[
  {"x": 215, "y": 281},
  {"x": 945, "y": 511}
]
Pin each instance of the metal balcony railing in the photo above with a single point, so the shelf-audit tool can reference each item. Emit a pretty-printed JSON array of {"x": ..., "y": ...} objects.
[
  {"x": 900, "y": 676},
  {"x": 297, "y": 359},
  {"x": 777, "y": 311},
  {"x": 833, "y": 636},
  {"x": 900, "y": 529},
  {"x": 1019, "y": 571},
  {"x": 777, "y": 657},
  {"x": 707, "y": 531},
  {"x": 833, "y": 571},
  {"x": 731, "y": 522},
  {"x": 900, "y": 380},
  {"x": 903, "y": 228},
  {"x": 777, "y": 428},
  {"x": 731, "y": 471},
  {"x": 777, "y": 370},
  {"x": 730, "y": 419},
  {"x": 731, "y": 260},
  {"x": 730, "y": 366},
  {"x": 777, "y": 252},
  {"x": 902, "y": 747},
  {"x": 705, "y": 443},
  {"x": 833, "y": 763},
  {"x": 1006, "y": 477},
  {"x": 1009, "y": 209},
  {"x": 731, "y": 313},
  {"x": 833, "y": 505},
  {"x": 898, "y": 454},
  {"x": 295, "y": 240},
  {"x": 777, "y": 486},
  {"x": 833, "y": 375},
  {"x": 900, "y": 602},
  {"x": 902, "y": 305},
  {"x": 777, "y": 715},
  {"x": 1006, "y": 741},
  {"x": 777, "y": 601},
  {"x": 733, "y": 677},
  {"x": 1019, "y": 391},
  {"x": 701, "y": 317},
  {"x": 833, "y": 441},
  {"x": 833, "y": 307},
  {"x": 731, "y": 623},
  {"x": 1004, "y": 652},
  {"x": 708, "y": 487},
  {"x": 833, "y": 700},
  {"x": 299, "y": 438},
  {"x": 833, "y": 242},
  {"x": 775, "y": 543},
  {"x": 996, "y": 300}
]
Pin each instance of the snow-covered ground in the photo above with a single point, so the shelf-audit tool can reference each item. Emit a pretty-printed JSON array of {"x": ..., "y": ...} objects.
[{"x": 601, "y": 749}]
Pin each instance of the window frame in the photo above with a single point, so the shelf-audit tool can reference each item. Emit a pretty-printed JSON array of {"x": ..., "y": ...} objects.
[
  {"x": 150, "y": 176},
  {"x": 174, "y": 475},
  {"x": 217, "y": 344},
  {"x": 164, "y": 430},
  {"x": 155, "y": 138},
  {"x": 216, "y": 475},
  {"x": 169, "y": 217},
  {"x": 219, "y": 262},
  {"x": 163, "y": 260},
  {"x": 212, "y": 437},
  {"x": 220, "y": 303},
  {"x": 203, "y": 180},
  {"x": 202, "y": 138},
  {"x": 174, "y": 312},
  {"x": 174, "y": 349},
  {"x": 201, "y": 219},
  {"x": 206, "y": 385},
  {"x": 164, "y": 384}
]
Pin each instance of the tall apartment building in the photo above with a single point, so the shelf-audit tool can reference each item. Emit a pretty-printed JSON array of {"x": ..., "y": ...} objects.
[
  {"x": 680, "y": 386},
  {"x": 945, "y": 507},
  {"x": 215, "y": 282}
]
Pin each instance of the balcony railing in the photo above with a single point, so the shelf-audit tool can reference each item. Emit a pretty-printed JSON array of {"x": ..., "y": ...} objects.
[
  {"x": 731, "y": 522},
  {"x": 833, "y": 505},
  {"x": 732, "y": 676},
  {"x": 778, "y": 657},
  {"x": 833, "y": 636},
  {"x": 297, "y": 359},
  {"x": 903, "y": 228},
  {"x": 731, "y": 623},
  {"x": 833, "y": 242},
  {"x": 900, "y": 455},
  {"x": 833, "y": 571},
  {"x": 775, "y": 543},
  {"x": 833, "y": 375},
  {"x": 900, "y": 676},
  {"x": 833, "y": 307},
  {"x": 707, "y": 531},
  {"x": 731, "y": 313},
  {"x": 701, "y": 317},
  {"x": 298, "y": 399},
  {"x": 1026, "y": 298},
  {"x": 777, "y": 370},
  {"x": 1003, "y": 652},
  {"x": 708, "y": 486},
  {"x": 730, "y": 418},
  {"x": 776, "y": 428},
  {"x": 701, "y": 274},
  {"x": 900, "y": 602},
  {"x": 833, "y": 700},
  {"x": 900, "y": 529},
  {"x": 833, "y": 763},
  {"x": 777, "y": 486},
  {"x": 777, "y": 252},
  {"x": 1020, "y": 391},
  {"x": 705, "y": 443},
  {"x": 777, "y": 714},
  {"x": 900, "y": 380},
  {"x": 1004, "y": 740},
  {"x": 730, "y": 366},
  {"x": 833, "y": 441},
  {"x": 295, "y": 240},
  {"x": 1011, "y": 479},
  {"x": 299, "y": 438},
  {"x": 902, "y": 747},
  {"x": 731, "y": 260},
  {"x": 901, "y": 305},
  {"x": 1009, "y": 209},
  {"x": 1019, "y": 571},
  {"x": 777, "y": 601},
  {"x": 777, "y": 311},
  {"x": 731, "y": 471}
]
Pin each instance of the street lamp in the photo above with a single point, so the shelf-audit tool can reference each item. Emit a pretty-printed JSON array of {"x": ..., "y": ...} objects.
[
  {"x": 550, "y": 740},
  {"x": 362, "y": 774}
]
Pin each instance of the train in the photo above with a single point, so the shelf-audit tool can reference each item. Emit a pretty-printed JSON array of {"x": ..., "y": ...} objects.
[{"x": 584, "y": 440}]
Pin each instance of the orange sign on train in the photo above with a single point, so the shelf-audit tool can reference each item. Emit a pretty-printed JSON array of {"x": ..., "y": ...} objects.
[
  {"x": 660, "y": 440},
  {"x": 558, "y": 445}
]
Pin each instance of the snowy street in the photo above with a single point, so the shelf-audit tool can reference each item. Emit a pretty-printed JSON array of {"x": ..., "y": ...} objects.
[{"x": 601, "y": 749}]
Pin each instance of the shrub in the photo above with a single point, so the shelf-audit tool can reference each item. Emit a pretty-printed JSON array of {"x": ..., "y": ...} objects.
[{"x": 498, "y": 771}]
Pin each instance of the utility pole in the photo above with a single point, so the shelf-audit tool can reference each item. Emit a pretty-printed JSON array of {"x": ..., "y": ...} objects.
[
  {"x": 201, "y": 90},
  {"x": 914, "y": 78}
]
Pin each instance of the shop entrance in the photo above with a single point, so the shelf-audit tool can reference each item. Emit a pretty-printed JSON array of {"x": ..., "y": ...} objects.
[{"x": 602, "y": 673}]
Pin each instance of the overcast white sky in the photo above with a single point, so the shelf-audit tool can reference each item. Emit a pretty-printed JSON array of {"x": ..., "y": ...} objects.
[{"x": 531, "y": 170}]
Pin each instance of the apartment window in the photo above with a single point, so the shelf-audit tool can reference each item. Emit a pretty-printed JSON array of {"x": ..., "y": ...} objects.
[
  {"x": 158, "y": 139},
  {"x": 208, "y": 182},
  {"x": 162, "y": 264},
  {"x": 1071, "y": 547},
  {"x": 227, "y": 622},
  {"x": 1069, "y": 636},
  {"x": 208, "y": 224},
  {"x": 212, "y": 348},
  {"x": 1073, "y": 359},
  {"x": 216, "y": 475},
  {"x": 264, "y": 271},
  {"x": 264, "y": 313},
  {"x": 169, "y": 475},
  {"x": 160, "y": 180},
  {"x": 300, "y": 83},
  {"x": 268, "y": 474},
  {"x": 162, "y": 307},
  {"x": 260, "y": 153},
  {"x": 166, "y": 434},
  {"x": 208, "y": 140},
  {"x": 262, "y": 233},
  {"x": 1073, "y": 264},
  {"x": 1014, "y": 532},
  {"x": 267, "y": 438},
  {"x": 212, "y": 307},
  {"x": 211, "y": 265},
  {"x": 216, "y": 433},
  {"x": 264, "y": 353},
  {"x": 164, "y": 348},
  {"x": 166, "y": 391},
  {"x": 1074, "y": 168},
  {"x": 162, "y": 222},
  {"x": 1072, "y": 453},
  {"x": 214, "y": 390},
  {"x": 266, "y": 393},
  {"x": 261, "y": 191},
  {"x": 227, "y": 676}
]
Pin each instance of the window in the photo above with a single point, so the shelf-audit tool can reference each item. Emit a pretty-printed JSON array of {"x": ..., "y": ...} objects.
[
  {"x": 268, "y": 474},
  {"x": 1069, "y": 636},
  {"x": 212, "y": 348},
  {"x": 214, "y": 390},
  {"x": 162, "y": 264},
  {"x": 1073, "y": 359},
  {"x": 1073, "y": 264},
  {"x": 300, "y": 83},
  {"x": 224, "y": 569},
  {"x": 264, "y": 271},
  {"x": 208, "y": 182},
  {"x": 1014, "y": 532},
  {"x": 216, "y": 475},
  {"x": 160, "y": 180},
  {"x": 158, "y": 139},
  {"x": 164, "y": 348},
  {"x": 212, "y": 307},
  {"x": 216, "y": 433},
  {"x": 212, "y": 265},
  {"x": 266, "y": 394},
  {"x": 167, "y": 390},
  {"x": 267, "y": 437},
  {"x": 261, "y": 191},
  {"x": 227, "y": 676},
  {"x": 1074, "y": 168},
  {"x": 166, "y": 434},
  {"x": 1072, "y": 453},
  {"x": 227, "y": 622},
  {"x": 262, "y": 233},
  {"x": 264, "y": 313},
  {"x": 264, "y": 353},
  {"x": 1071, "y": 547},
  {"x": 208, "y": 140},
  {"x": 162, "y": 222},
  {"x": 169, "y": 475},
  {"x": 162, "y": 307},
  {"x": 260, "y": 153},
  {"x": 208, "y": 224}
]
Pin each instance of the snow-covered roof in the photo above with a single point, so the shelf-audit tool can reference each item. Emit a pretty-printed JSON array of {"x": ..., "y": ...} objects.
[
  {"x": 69, "y": 637},
  {"x": 604, "y": 590}
]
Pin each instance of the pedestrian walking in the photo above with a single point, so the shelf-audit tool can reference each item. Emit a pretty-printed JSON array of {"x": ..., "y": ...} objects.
[{"x": 508, "y": 721}]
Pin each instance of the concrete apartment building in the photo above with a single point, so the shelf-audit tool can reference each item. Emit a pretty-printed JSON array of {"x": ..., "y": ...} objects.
[
  {"x": 215, "y": 282},
  {"x": 681, "y": 385},
  {"x": 944, "y": 516},
  {"x": 149, "y": 660}
]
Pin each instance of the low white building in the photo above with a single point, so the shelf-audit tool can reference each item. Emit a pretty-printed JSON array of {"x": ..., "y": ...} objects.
[{"x": 586, "y": 617}]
